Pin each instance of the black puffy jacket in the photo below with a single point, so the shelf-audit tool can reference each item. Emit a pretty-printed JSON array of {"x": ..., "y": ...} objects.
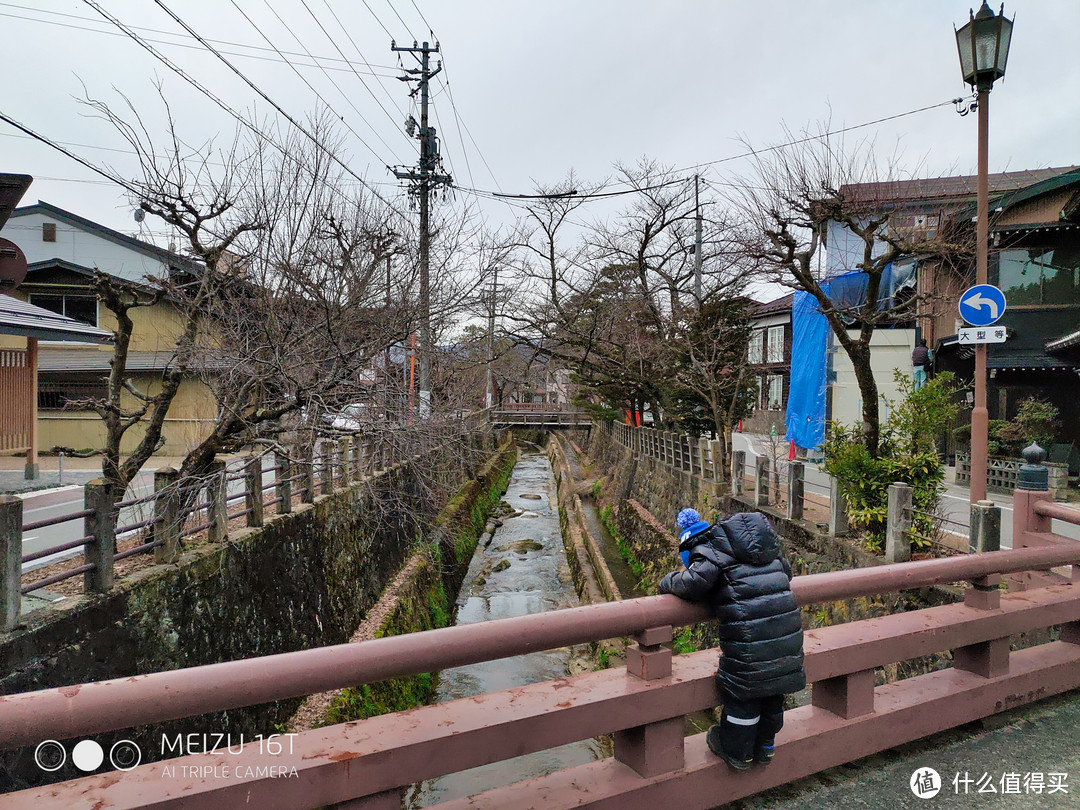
[{"x": 737, "y": 568}]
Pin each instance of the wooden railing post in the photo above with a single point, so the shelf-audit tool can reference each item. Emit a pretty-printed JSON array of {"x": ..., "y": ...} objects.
[
  {"x": 653, "y": 748},
  {"x": 167, "y": 515},
  {"x": 846, "y": 695},
  {"x": 838, "y": 522},
  {"x": 253, "y": 492},
  {"x": 1033, "y": 485},
  {"x": 102, "y": 527},
  {"x": 761, "y": 481},
  {"x": 217, "y": 512},
  {"x": 11, "y": 522},
  {"x": 283, "y": 483},
  {"x": 898, "y": 523},
  {"x": 795, "y": 480}
]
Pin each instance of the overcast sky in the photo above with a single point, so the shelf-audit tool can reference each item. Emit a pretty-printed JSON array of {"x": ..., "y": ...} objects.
[{"x": 538, "y": 88}]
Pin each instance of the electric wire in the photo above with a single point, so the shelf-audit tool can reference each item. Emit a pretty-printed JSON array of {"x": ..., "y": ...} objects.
[
  {"x": 328, "y": 105},
  {"x": 373, "y": 69},
  {"x": 237, "y": 116}
]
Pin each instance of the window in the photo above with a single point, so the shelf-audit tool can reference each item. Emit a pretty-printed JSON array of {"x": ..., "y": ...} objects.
[
  {"x": 48, "y": 231},
  {"x": 774, "y": 391},
  {"x": 775, "y": 345},
  {"x": 757, "y": 345},
  {"x": 1039, "y": 275},
  {"x": 53, "y": 396},
  {"x": 82, "y": 308}
]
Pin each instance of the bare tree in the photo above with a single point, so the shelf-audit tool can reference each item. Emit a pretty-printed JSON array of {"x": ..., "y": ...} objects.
[{"x": 786, "y": 204}]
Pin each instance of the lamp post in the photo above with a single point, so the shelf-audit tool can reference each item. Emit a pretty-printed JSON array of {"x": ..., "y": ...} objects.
[{"x": 983, "y": 44}]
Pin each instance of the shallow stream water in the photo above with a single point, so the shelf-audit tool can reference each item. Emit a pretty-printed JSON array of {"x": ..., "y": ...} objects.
[{"x": 522, "y": 570}]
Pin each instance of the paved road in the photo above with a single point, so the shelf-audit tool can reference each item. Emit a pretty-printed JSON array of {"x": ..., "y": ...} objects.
[{"x": 954, "y": 502}]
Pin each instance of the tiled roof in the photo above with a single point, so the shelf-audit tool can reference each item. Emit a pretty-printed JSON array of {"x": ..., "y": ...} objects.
[
  {"x": 950, "y": 188},
  {"x": 24, "y": 319},
  {"x": 781, "y": 304}
]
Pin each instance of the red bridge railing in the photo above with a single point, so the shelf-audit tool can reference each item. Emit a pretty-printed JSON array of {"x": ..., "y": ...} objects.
[{"x": 367, "y": 763}]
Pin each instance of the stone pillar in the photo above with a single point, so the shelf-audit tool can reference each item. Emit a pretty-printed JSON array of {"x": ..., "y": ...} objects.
[
  {"x": 343, "y": 445},
  {"x": 307, "y": 472},
  {"x": 217, "y": 511},
  {"x": 326, "y": 469},
  {"x": 102, "y": 527},
  {"x": 653, "y": 748},
  {"x": 11, "y": 521},
  {"x": 253, "y": 492},
  {"x": 761, "y": 481},
  {"x": 795, "y": 474},
  {"x": 898, "y": 524},
  {"x": 985, "y": 527},
  {"x": 283, "y": 480},
  {"x": 738, "y": 472},
  {"x": 166, "y": 515},
  {"x": 838, "y": 522}
]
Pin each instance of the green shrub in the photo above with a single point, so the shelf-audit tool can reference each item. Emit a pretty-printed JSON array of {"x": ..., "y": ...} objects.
[
  {"x": 1035, "y": 421},
  {"x": 907, "y": 454}
]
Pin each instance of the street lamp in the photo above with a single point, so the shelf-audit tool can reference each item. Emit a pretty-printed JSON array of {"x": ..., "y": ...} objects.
[{"x": 983, "y": 44}]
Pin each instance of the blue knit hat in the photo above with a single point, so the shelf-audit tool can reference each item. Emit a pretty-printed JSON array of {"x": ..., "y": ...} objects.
[{"x": 690, "y": 524}]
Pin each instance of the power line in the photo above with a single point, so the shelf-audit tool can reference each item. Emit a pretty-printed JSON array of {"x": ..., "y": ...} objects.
[
  {"x": 243, "y": 121},
  {"x": 329, "y": 106},
  {"x": 751, "y": 153},
  {"x": 317, "y": 59}
]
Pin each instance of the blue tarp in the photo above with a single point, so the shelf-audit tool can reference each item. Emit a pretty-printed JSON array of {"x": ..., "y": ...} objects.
[
  {"x": 806, "y": 392},
  {"x": 809, "y": 337}
]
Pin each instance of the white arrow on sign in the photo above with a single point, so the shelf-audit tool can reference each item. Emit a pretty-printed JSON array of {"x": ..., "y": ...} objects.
[{"x": 978, "y": 302}]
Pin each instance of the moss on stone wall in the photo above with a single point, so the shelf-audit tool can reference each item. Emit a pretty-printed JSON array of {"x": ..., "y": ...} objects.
[{"x": 424, "y": 601}]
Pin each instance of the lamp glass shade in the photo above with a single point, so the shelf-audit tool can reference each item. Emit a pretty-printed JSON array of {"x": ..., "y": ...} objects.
[{"x": 983, "y": 44}]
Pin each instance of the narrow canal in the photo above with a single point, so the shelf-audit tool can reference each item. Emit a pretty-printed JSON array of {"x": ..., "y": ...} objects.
[{"x": 522, "y": 570}]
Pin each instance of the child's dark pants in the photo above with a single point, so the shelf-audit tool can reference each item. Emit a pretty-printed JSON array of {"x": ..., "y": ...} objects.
[{"x": 749, "y": 725}]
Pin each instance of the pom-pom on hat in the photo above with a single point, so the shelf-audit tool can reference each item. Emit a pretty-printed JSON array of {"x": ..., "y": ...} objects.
[{"x": 690, "y": 524}]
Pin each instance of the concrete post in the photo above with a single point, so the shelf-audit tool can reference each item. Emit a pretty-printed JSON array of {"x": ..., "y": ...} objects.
[
  {"x": 102, "y": 527},
  {"x": 367, "y": 456},
  {"x": 307, "y": 472},
  {"x": 253, "y": 492},
  {"x": 283, "y": 479},
  {"x": 838, "y": 522},
  {"x": 795, "y": 474},
  {"x": 356, "y": 460},
  {"x": 343, "y": 445},
  {"x": 217, "y": 511},
  {"x": 738, "y": 472},
  {"x": 761, "y": 481},
  {"x": 167, "y": 515},
  {"x": 898, "y": 524},
  {"x": 985, "y": 527},
  {"x": 11, "y": 521},
  {"x": 716, "y": 454},
  {"x": 326, "y": 468}
]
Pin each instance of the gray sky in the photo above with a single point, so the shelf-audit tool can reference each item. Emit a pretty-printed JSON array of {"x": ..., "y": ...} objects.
[{"x": 539, "y": 88}]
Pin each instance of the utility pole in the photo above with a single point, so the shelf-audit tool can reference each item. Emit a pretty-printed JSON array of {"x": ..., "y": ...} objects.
[
  {"x": 423, "y": 178},
  {"x": 491, "y": 339},
  {"x": 697, "y": 242}
]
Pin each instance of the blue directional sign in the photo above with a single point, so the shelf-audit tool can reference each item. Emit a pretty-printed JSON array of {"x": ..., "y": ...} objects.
[{"x": 982, "y": 304}]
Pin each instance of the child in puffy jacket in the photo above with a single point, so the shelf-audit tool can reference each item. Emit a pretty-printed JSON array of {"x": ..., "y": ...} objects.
[{"x": 736, "y": 567}]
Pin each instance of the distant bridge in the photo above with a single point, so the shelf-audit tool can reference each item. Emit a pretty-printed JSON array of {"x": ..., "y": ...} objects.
[{"x": 540, "y": 416}]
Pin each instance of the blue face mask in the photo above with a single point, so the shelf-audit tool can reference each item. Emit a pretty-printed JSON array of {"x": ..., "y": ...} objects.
[{"x": 685, "y": 555}]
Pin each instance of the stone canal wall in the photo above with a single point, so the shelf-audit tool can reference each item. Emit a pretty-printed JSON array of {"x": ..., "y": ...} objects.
[{"x": 305, "y": 579}]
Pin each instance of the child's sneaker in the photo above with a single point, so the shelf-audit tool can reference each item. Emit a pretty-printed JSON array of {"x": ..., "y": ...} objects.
[
  {"x": 763, "y": 753},
  {"x": 712, "y": 739}
]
